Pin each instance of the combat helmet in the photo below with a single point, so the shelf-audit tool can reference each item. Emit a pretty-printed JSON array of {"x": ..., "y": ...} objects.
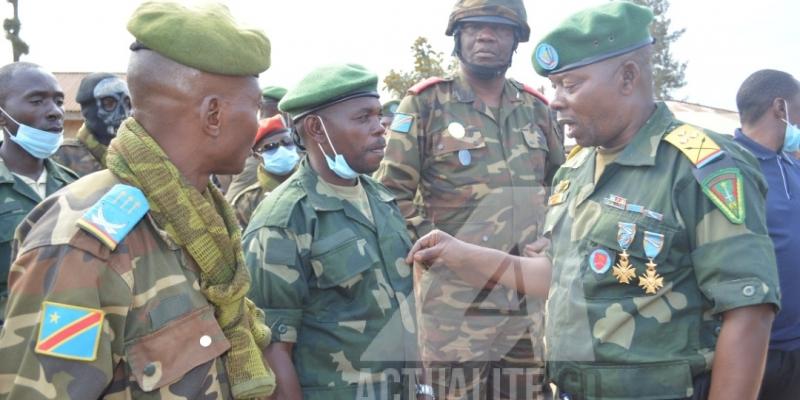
[{"x": 509, "y": 12}]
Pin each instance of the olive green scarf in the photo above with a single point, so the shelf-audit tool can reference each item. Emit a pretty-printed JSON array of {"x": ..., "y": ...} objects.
[
  {"x": 205, "y": 226},
  {"x": 96, "y": 149}
]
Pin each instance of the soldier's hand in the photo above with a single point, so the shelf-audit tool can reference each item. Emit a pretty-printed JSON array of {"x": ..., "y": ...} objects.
[
  {"x": 536, "y": 248},
  {"x": 433, "y": 249}
]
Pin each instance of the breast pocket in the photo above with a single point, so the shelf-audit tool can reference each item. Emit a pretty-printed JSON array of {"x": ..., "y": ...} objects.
[
  {"x": 342, "y": 266},
  {"x": 166, "y": 356},
  {"x": 454, "y": 154},
  {"x": 602, "y": 244},
  {"x": 537, "y": 149}
]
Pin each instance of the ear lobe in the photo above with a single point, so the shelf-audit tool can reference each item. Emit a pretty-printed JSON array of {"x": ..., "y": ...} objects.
[
  {"x": 211, "y": 113},
  {"x": 314, "y": 129},
  {"x": 630, "y": 76}
]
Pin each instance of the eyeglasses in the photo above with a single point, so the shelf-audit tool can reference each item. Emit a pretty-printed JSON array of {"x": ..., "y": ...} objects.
[
  {"x": 472, "y": 28},
  {"x": 270, "y": 147}
]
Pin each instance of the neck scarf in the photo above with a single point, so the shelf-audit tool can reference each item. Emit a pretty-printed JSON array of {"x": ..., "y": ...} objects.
[{"x": 96, "y": 149}]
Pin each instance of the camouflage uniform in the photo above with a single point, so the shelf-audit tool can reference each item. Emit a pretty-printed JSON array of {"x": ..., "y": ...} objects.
[
  {"x": 335, "y": 285},
  {"x": 16, "y": 200},
  {"x": 76, "y": 156},
  {"x": 159, "y": 339},
  {"x": 608, "y": 340},
  {"x": 245, "y": 202},
  {"x": 486, "y": 186},
  {"x": 242, "y": 180}
]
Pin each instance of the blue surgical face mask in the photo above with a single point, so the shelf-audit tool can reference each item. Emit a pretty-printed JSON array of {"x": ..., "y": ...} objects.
[
  {"x": 281, "y": 161},
  {"x": 38, "y": 143},
  {"x": 791, "y": 141},
  {"x": 338, "y": 165}
]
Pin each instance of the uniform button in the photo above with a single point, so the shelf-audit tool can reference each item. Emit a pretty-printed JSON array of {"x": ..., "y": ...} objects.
[
  {"x": 282, "y": 328},
  {"x": 205, "y": 341},
  {"x": 748, "y": 291},
  {"x": 485, "y": 238},
  {"x": 150, "y": 369}
]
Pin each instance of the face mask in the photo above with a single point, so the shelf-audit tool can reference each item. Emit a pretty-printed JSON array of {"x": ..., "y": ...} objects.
[
  {"x": 281, "y": 161},
  {"x": 339, "y": 165},
  {"x": 102, "y": 121},
  {"x": 791, "y": 141},
  {"x": 38, "y": 143}
]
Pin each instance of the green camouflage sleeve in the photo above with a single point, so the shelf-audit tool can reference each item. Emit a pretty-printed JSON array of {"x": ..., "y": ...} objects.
[
  {"x": 734, "y": 264},
  {"x": 400, "y": 169},
  {"x": 279, "y": 284},
  {"x": 55, "y": 292}
]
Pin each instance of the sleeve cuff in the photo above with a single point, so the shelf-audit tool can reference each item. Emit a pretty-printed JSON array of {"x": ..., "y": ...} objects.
[
  {"x": 284, "y": 324},
  {"x": 741, "y": 293}
]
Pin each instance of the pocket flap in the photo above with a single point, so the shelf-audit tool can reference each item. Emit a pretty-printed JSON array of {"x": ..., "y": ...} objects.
[
  {"x": 348, "y": 258},
  {"x": 446, "y": 143},
  {"x": 534, "y": 137},
  {"x": 166, "y": 355}
]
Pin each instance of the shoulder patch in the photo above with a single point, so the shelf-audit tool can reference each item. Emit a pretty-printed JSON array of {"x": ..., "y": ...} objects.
[
  {"x": 69, "y": 332},
  {"x": 535, "y": 93},
  {"x": 698, "y": 147},
  {"x": 402, "y": 122},
  {"x": 725, "y": 189},
  {"x": 421, "y": 86},
  {"x": 115, "y": 214}
]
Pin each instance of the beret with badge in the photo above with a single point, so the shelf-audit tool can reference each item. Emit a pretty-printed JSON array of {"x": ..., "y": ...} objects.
[
  {"x": 204, "y": 37},
  {"x": 593, "y": 35},
  {"x": 326, "y": 86}
]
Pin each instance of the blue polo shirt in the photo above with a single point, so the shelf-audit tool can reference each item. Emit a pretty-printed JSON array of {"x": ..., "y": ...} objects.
[{"x": 782, "y": 173}]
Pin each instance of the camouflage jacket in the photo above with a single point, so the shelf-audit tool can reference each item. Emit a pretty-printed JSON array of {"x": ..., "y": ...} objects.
[
  {"x": 335, "y": 285},
  {"x": 455, "y": 166},
  {"x": 16, "y": 200},
  {"x": 159, "y": 337},
  {"x": 245, "y": 202},
  {"x": 242, "y": 180},
  {"x": 609, "y": 340},
  {"x": 76, "y": 156}
]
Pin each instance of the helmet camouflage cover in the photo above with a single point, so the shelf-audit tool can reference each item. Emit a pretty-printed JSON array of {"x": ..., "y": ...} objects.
[{"x": 511, "y": 10}]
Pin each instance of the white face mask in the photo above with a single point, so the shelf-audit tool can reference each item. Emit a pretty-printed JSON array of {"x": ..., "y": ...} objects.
[
  {"x": 338, "y": 165},
  {"x": 36, "y": 142}
]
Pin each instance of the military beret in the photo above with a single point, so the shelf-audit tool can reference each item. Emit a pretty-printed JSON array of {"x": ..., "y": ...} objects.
[
  {"x": 389, "y": 108},
  {"x": 269, "y": 126},
  {"x": 204, "y": 37},
  {"x": 593, "y": 35},
  {"x": 328, "y": 85},
  {"x": 273, "y": 92}
]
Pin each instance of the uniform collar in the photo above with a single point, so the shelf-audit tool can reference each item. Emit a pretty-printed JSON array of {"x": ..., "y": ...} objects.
[
  {"x": 463, "y": 93},
  {"x": 320, "y": 202},
  {"x": 642, "y": 150},
  {"x": 759, "y": 151}
]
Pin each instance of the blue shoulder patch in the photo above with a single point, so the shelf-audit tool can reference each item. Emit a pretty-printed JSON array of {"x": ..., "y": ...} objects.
[
  {"x": 402, "y": 122},
  {"x": 115, "y": 214}
]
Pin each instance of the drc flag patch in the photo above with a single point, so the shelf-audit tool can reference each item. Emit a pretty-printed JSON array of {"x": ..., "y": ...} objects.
[
  {"x": 69, "y": 332},
  {"x": 402, "y": 123},
  {"x": 115, "y": 214}
]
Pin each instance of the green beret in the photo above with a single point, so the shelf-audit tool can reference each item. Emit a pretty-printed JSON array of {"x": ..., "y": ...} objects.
[
  {"x": 273, "y": 92},
  {"x": 388, "y": 109},
  {"x": 205, "y": 38},
  {"x": 328, "y": 85},
  {"x": 593, "y": 35}
]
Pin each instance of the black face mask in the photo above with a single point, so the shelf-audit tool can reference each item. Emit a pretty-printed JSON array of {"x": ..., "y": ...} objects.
[
  {"x": 481, "y": 71},
  {"x": 104, "y": 109}
]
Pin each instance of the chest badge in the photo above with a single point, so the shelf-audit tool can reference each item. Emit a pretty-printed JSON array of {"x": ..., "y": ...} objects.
[
  {"x": 559, "y": 193},
  {"x": 464, "y": 157},
  {"x": 623, "y": 270},
  {"x": 651, "y": 281},
  {"x": 456, "y": 130},
  {"x": 600, "y": 261}
]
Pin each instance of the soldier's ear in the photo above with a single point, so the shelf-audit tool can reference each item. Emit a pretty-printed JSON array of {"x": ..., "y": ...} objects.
[
  {"x": 630, "y": 75},
  {"x": 211, "y": 115},
  {"x": 313, "y": 128}
]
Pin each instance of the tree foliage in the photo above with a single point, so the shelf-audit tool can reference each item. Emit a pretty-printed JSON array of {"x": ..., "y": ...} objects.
[
  {"x": 427, "y": 63},
  {"x": 668, "y": 73}
]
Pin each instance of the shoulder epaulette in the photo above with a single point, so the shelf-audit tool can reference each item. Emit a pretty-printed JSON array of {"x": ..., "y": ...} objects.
[
  {"x": 421, "y": 86},
  {"x": 695, "y": 144},
  {"x": 722, "y": 183},
  {"x": 535, "y": 93},
  {"x": 575, "y": 150},
  {"x": 112, "y": 217}
]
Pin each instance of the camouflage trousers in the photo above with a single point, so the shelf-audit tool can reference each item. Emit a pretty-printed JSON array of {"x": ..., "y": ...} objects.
[{"x": 479, "y": 344}]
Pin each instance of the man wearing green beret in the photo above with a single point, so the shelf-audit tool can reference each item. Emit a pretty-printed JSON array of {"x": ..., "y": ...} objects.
[
  {"x": 473, "y": 155},
  {"x": 270, "y": 95},
  {"x": 326, "y": 251},
  {"x": 131, "y": 282},
  {"x": 664, "y": 282}
]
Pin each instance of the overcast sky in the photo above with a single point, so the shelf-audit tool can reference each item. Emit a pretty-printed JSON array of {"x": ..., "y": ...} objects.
[{"x": 725, "y": 40}]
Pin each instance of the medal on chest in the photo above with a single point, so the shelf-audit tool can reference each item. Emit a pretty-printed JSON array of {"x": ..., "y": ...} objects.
[
  {"x": 623, "y": 270},
  {"x": 651, "y": 281}
]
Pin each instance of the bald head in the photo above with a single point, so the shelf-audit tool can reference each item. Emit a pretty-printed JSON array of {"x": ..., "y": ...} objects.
[{"x": 7, "y": 73}]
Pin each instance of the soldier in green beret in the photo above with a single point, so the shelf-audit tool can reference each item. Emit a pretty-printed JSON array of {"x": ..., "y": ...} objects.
[
  {"x": 326, "y": 251},
  {"x": 131, "y": 282},
  {"x": 664, "y": 282},
  {"x": 473, "y": 155},
  {"x": 270, "y": 95}
]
